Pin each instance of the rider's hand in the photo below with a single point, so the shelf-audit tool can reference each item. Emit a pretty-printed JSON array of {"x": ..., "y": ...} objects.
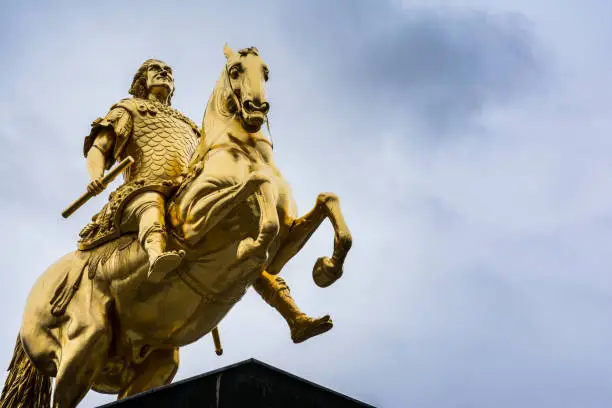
[
  {"x": 96, "y": 186},
  {"x": 197, "y": 168}
]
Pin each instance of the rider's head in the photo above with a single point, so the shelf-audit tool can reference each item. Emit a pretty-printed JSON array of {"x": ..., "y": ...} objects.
[{"x": 153, "y": 77}]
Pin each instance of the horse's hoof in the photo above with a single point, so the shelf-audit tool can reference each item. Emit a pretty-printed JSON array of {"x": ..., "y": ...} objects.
[
  {"x": 163, "y": 264},
  {"x": 325, "y": 272},
  {"x": 305, "y": 327}
]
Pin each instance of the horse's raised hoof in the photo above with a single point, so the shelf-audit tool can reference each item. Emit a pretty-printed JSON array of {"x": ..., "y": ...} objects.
[
  {"x": 325, "y": 272},
  {"x": 163, "y": 264},
  {"x": 304, "y": 327}
]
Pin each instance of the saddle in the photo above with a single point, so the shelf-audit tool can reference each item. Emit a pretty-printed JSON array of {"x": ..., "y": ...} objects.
[{"x": 105, "y": 225}]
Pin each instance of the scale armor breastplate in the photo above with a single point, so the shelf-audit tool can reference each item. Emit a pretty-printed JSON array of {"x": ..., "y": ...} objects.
[{"x": 162, "y": 142}]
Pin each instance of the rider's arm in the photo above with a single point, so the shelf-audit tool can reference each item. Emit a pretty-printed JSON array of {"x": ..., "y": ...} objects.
[
  {"x": 99, "y": 153},
  {"x": 104, "y": 144}
]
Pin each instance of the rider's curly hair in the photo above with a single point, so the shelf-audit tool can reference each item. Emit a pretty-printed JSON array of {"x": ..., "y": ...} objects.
[{"x": 139, "y": 83}]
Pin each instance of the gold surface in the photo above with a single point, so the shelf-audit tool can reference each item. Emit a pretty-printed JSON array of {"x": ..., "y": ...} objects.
[{"x": 191, "y": 239}]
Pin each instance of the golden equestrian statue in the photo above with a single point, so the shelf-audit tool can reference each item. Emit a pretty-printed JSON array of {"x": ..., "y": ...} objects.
[{"x": 202, "y": 216}]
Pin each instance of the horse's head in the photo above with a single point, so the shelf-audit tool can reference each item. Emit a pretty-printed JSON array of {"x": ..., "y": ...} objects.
[{"x": 246, "y": 75}]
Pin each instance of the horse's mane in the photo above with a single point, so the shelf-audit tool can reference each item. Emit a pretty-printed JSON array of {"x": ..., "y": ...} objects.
[{"x": 246, "y": 51}]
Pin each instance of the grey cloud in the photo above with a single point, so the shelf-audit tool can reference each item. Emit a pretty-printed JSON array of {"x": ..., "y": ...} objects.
[
  {"x": 479, "y": 272},
  {"x": 441, "y": 67}
]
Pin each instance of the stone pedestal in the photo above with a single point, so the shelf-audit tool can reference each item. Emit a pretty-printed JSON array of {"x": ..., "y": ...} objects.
[{"x": 249, "y": 384}]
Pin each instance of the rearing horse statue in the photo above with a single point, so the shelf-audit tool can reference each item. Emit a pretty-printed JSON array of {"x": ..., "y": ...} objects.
[{"x": 234, "y": 217}]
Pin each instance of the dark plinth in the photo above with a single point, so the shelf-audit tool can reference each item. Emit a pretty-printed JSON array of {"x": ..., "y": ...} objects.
[{"x": 249, "y": 384}]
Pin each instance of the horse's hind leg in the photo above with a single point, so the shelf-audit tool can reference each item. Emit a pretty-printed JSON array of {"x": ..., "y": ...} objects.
[
  {"x": 274, "y": 290},
  {"x": 84, "y": 350},
  {"x": 80, "y": 365},
  {"x": 156, "y": 370},
  {"x": 326, "y": 270},
  {"x": 82, "y": 360}
]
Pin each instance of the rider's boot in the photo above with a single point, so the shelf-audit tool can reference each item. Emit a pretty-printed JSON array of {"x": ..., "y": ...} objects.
[
  {"x": 274, "y": 290},
  {"x": 161, "y": 262}
]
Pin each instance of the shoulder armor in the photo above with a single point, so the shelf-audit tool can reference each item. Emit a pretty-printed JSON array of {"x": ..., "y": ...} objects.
[
  {"x": 128, "y": 104},
  {"x": 119, "y": 118},
  {"x": 139, "y": 106}
]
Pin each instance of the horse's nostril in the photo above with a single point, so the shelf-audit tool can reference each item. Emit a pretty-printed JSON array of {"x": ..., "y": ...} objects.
[{"x": 252, "y": 106}]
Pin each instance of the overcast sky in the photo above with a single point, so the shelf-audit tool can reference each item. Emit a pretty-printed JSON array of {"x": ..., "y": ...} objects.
[{"x": 469, "y": 142}]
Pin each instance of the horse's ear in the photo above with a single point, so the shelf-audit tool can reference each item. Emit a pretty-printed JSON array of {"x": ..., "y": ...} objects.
[{"x": 227, "y": 51}]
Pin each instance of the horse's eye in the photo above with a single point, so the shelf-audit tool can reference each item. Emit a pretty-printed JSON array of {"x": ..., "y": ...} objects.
[{"x": 234, "y": 72}]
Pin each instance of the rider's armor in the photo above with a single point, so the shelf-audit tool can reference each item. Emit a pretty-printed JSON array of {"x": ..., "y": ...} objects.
[{"x": 161, "y": 141}]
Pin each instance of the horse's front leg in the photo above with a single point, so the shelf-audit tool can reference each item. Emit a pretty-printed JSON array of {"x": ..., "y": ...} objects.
[
  {"x": 326, "y": 270},
  {"x": 257, "y": 249},
  {"x": 224, "y": 183}
]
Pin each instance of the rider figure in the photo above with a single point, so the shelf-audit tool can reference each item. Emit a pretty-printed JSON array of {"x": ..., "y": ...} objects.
[{"x": 161, "y": 141}]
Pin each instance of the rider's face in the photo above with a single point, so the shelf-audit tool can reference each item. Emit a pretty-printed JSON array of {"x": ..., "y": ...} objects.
[{"x": 159, "y": 78}]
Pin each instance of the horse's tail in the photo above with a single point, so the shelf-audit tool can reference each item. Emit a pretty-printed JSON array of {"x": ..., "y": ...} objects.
[{"x": 25, "y": 386}]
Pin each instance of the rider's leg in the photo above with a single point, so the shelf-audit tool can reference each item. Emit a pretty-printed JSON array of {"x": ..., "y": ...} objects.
[
  {"x": 274, "y": 290},
  {"x": 148, "y": 209}
]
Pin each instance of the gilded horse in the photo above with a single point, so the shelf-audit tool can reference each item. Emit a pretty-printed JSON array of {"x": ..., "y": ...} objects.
[{"x": 93, "y": 320}]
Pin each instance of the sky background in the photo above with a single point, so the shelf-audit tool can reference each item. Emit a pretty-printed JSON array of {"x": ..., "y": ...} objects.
[{"x": 469, "y": 142}]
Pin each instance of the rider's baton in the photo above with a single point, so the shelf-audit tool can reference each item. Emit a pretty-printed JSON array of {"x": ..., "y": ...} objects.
[
  {"x": 110, "y": 176},
  {"x": 217, "y": 341}
]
